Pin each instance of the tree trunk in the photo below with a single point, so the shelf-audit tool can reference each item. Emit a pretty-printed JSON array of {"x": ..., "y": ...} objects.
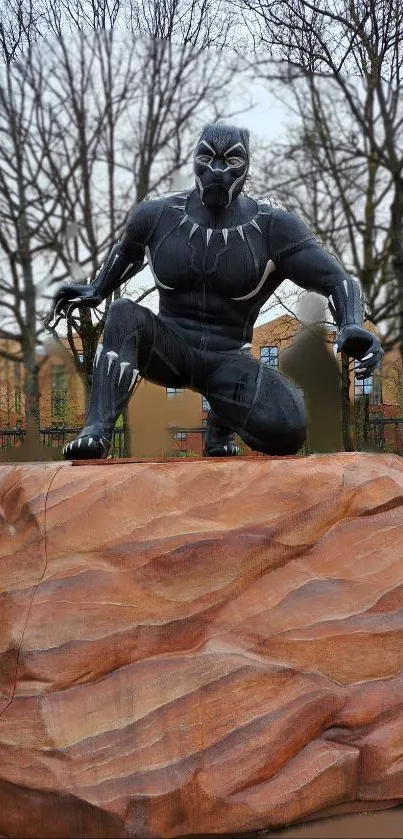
[
  {"x": 31, "y": 392},
  {"x": 361, "y": 423},
  {"x": 345, "y": 404},
  {"x": 127, "y": 448},
  {"x": 396, "y": 250}
]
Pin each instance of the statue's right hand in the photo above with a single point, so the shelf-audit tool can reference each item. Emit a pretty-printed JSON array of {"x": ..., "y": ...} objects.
[{"x": 70, "y": 295}]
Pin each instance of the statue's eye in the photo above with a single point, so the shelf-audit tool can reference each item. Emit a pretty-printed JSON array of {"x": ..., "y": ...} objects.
[
  {"x": 235, "y": 161},
  {"x": 204, "y": 158}
]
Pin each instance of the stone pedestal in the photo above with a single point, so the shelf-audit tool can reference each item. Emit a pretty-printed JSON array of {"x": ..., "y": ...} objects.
[{"x": 199, "y": 648}]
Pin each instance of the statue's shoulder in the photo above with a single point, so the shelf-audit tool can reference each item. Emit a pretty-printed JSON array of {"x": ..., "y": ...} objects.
[
  {"x": 143, "y": 217},
  {"x": 266, "y": 201},
  {"x": 167, "y": 198}
]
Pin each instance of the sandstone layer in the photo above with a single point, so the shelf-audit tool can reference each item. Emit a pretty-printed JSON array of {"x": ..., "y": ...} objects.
[{"x": 199, "y": 648}]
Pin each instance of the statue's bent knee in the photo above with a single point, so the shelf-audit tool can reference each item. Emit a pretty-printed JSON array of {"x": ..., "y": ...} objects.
[{"x": 124, "y": 319}]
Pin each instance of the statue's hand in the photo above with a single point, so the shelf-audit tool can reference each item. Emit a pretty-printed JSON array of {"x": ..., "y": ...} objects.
[
  {"x": 361, "y": 344},
  {"x": 71, "y": 295}
]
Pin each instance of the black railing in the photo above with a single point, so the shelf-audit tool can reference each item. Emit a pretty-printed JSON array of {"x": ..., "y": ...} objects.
[
  {"x": 382, "y": 435},
  {"x": 386, "y": 433},
  {"x": 56, "y": 438}
]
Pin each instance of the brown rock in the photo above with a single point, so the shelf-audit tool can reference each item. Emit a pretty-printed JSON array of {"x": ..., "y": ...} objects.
[{"x": 198, "y": 648}]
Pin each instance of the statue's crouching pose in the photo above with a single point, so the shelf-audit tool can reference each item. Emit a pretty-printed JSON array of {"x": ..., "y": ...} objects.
[{"x": 217, "y": 255}]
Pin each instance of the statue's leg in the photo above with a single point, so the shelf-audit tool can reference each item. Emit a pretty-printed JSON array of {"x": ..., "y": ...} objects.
[
  {"x": 219, "y": 439},
  {"x": 135, "y": 342},
  {"x": 257, "y": 402}
]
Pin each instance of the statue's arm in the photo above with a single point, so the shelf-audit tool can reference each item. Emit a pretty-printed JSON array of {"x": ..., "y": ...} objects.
[
  {"x": 300, "y": 258},
  {"x": 126, "y": 256}
]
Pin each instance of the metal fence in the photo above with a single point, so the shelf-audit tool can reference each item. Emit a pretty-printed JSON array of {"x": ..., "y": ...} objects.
[
  {"x": 381, "y": 435},
  {"x": 386, "y": 434},
  {"x": 56, "y": 438}
]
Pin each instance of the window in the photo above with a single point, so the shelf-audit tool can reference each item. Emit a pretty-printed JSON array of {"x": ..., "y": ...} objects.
[
  {"x": 18, "y": 386},
  {"x": 59, "y": 391},
  {"x": 205, "y": 404},
  {"x": 172, "y": 391},
  {"x": 17, "y": 400},
  {"x": 59, "y": 377},
  {"x": 17, "y": 374},
  {"x": 371, "y": 386},
  {"x": 269, "y": 356},
  {"x": 181, "y": 435},
  {"x": 59, "y": 403}
]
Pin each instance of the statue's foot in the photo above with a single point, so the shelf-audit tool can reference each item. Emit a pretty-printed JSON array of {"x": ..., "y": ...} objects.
[
  {"x": 221, "y": 450},
  {"x": 87, "y": 447}
]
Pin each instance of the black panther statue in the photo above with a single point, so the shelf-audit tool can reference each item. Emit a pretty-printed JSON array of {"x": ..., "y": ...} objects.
[{"x": 217, "y": 255}]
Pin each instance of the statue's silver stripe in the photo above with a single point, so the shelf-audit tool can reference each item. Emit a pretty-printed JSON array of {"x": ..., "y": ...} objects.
[
  {"x": 157, "y": 282},
  {"x": 270, "y": 267},
  {"x": 127, "y": 269}
]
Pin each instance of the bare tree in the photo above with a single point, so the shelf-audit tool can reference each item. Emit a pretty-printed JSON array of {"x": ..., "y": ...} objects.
[
  {"x": 125, "y": 135},
  {"x": 342, "y": 197},
  {"x": 73, "y": 15},
  {"x": 20, "y": 25},
  {"x": 26, "y": 205},
  {"x": 358, "y": 46},
  {"x": 197, "y": 23},
  {"x": 107, "y": 128}
]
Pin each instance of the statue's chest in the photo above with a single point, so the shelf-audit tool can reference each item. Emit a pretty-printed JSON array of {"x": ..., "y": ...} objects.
[{"x": 230, "y": 261}]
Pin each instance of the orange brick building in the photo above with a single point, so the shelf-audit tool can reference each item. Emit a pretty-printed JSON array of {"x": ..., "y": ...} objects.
[{"x": 167, "y": 421}]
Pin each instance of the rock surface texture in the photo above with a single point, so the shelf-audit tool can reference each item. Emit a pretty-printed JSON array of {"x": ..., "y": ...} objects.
[{"x": 199, "y": 648}]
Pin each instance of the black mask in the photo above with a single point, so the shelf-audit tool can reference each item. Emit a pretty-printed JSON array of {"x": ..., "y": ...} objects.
[{"x": 221, "y": 163}]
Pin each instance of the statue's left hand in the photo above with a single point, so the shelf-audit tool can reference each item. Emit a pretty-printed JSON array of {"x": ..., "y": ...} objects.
[
  {"x": 361, "y": 344},
  {"x": 68, "y": 297}
]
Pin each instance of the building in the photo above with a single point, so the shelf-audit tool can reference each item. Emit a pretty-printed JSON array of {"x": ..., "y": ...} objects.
[
  {"x": 168, "y": 421},
  {"x": 62, "y": 393}
]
